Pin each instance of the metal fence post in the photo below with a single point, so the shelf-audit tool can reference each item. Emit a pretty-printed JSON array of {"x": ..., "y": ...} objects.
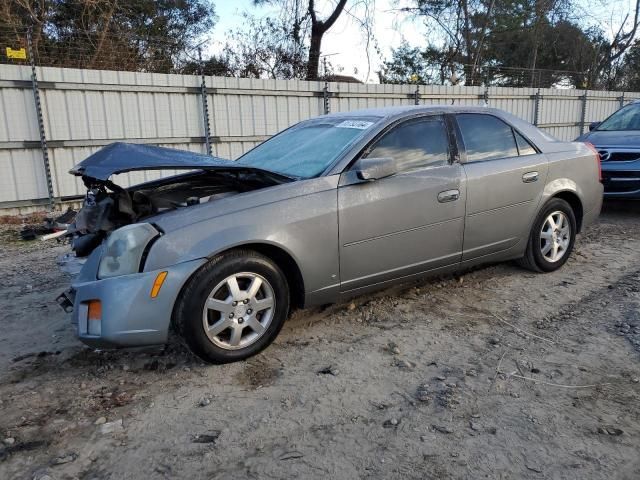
[
  {"x": 485, "y": 96},
  {"x": 537, "y": 98},
  {"x": 621, "y": 100},
  {"x": 583, "y": 113},
  {"x": 205, "y": 104},
  {"x": 325, "y": 98},
  {"x": 43, "y": 137},
  {"x": 417, "y": 96}
]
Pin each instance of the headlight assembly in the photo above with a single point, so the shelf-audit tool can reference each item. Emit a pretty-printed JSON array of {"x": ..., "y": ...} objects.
[{"x": 124, "y": 249}]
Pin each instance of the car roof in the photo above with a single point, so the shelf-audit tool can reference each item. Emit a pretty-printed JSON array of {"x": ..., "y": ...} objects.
[{"x": 403, "y": 110}]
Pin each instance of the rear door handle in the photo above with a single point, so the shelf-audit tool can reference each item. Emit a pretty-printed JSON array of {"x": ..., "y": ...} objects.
[
  {"x": 448, "y": 196},
  {"x": 530, "y": 177}
]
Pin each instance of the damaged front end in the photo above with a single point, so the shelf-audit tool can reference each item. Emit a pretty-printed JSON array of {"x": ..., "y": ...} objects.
[
  {"x": 108, "y": 206},
  {"x": 114, "y": 230}
]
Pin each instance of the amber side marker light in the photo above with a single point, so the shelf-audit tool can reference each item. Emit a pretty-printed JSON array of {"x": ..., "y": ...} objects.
[
  {"x": 157, "y": 285},
  {"x": 95, "y": 310}
]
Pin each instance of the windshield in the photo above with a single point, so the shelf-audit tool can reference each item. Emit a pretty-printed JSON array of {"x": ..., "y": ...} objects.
[
  {"x": 627, "y": 118},
  {"x": 308, "y": 148}
]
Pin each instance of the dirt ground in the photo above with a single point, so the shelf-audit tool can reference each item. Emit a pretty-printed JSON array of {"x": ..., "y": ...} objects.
[{"x": 498, "y": 373}]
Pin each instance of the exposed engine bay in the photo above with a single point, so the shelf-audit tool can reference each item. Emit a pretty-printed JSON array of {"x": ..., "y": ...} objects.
[{"x": 108, "y": 206}]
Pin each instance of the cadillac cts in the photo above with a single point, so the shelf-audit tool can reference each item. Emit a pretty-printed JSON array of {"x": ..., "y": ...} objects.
[{"x": 329, "y": 208}]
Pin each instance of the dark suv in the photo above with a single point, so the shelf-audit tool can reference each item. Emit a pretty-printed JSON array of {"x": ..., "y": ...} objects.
[{"x": 617, "y": 139}]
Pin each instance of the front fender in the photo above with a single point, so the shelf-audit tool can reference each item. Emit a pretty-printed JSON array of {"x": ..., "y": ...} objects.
[{"x": 305, "y": 226}]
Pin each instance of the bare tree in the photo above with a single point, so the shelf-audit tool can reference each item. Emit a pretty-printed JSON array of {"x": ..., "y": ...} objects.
[
  {"x": 609, "y": 53},
  {"x": 306, "y": 23},
  {"x": 318, "y": 29}
]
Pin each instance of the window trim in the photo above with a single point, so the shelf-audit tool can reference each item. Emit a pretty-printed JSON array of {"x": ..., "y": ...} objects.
[
  {"x": 515, "y": 132},
  {"x": 463, "y": 148},
  {"x": 452, "y": 146}
]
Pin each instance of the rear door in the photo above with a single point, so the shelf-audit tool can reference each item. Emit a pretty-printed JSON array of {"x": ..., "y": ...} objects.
[
  {"x": 505, "y": 178},
  {"x": 407, "y": 223}
]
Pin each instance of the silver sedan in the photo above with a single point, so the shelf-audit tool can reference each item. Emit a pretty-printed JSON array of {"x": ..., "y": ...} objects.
[{"x": 332, "y": 207}]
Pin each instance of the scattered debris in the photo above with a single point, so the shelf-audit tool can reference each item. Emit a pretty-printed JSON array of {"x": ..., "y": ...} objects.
[
  {"x": 50, "y": 227},
  {"x": 406, "y": 364},
  {"x": 291, "y": 455},
  {"x": 391, "y": 423},
  {"x": 423, "y": 394},
  {"x": 392, "y": 348},
  {"x": 330, "y": 370},
  {"x": 65, "y": 458},
  {"x": 100, "y": 421},
  {"x": 442, "y": 429},
  {"x": 112, "y": 427},
  {"x": 209, "y": 437},
  {"x": 610, "y": 430}
]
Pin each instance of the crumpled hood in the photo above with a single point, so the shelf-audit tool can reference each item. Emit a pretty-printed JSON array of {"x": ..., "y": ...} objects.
[
  {"x": 125, "y": 157},
  {"x": 612, "y": 139}
]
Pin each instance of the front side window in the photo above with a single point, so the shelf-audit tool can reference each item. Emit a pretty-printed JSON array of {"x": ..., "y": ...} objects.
[
  {"x": 486, "y": 137},
  {"x": 308, "y": 148},
  {"x": 627, "y": 118},
  {"x": 414, "y": 144}
]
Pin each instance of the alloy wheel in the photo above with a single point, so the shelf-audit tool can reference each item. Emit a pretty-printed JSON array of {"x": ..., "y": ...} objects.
[
  {"x": 238, "y": 310},
  {"x": 555, "y": 236}
]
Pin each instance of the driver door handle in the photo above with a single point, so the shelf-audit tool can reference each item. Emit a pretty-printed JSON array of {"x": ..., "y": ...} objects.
[
  {"x": 530, "y": 177},
  {"x": 448, "y": 196}
]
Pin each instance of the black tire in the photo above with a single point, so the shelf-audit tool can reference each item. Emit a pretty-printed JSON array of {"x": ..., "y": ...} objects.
[
  {"x": 533, "y": 258},
  {"x": 189, "y": 308}
]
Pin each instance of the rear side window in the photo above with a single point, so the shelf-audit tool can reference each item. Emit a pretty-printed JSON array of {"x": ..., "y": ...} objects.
[
  {"x": 524, "y": 147},
  {"x": 415, "y": 144},
  {"x": 486, "y": 137}
]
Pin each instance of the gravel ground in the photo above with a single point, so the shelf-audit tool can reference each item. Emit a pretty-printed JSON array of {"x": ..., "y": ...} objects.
[{"x": 496, "y": 373}]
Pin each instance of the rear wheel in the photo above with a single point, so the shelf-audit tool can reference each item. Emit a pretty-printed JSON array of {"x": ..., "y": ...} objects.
[
  {"x": 233, "y": 307},
  {"x": 552, "y": 237}
]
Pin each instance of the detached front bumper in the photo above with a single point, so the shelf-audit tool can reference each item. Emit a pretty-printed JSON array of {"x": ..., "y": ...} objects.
[{"x": 129, "y": 316}]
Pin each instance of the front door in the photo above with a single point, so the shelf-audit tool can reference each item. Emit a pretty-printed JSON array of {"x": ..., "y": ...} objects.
[
  {"x": 505, "y": 178},
  {"x": 407, "y": 223}
]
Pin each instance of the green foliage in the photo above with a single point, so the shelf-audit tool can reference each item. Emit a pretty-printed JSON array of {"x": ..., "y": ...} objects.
[
  {"x": 630, "y": 74},
  {"x": 511, "y": 43},
  {"x": 151, "y": 35},
  {"x": 412, "y": 65}
]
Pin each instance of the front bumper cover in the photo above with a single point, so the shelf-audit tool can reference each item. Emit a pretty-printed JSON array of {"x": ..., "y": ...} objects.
[
  {"x": 130, "y": 317},
  {"x": 621, "y": 179}
]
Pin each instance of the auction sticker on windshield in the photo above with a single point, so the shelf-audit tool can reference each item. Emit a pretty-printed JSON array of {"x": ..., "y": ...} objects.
[{"x": 359, "y": 124}]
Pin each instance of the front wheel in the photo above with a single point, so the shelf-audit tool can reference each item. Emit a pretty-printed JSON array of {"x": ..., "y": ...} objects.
[
  {"x": 233, "y": 307},
  {"x": 552, "y": 237}
]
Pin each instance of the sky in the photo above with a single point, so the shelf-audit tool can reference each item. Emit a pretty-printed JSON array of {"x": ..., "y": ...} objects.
[{"x": 345, "y": 44}]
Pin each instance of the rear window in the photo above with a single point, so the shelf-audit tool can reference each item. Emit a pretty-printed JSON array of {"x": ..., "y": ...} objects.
[{"x": 488, "y": 138}]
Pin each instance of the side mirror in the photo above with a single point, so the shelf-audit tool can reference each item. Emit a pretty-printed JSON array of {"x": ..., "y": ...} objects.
[
  {"x": 594, "y": 125},
  {"x": 370, "y": 169}
]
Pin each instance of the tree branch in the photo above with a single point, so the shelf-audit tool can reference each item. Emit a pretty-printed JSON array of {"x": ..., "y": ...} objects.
[{"x": 328, "y": 23}]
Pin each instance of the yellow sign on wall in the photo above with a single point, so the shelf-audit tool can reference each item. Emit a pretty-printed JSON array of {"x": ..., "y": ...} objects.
[{"x": 20, "y": 54}]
